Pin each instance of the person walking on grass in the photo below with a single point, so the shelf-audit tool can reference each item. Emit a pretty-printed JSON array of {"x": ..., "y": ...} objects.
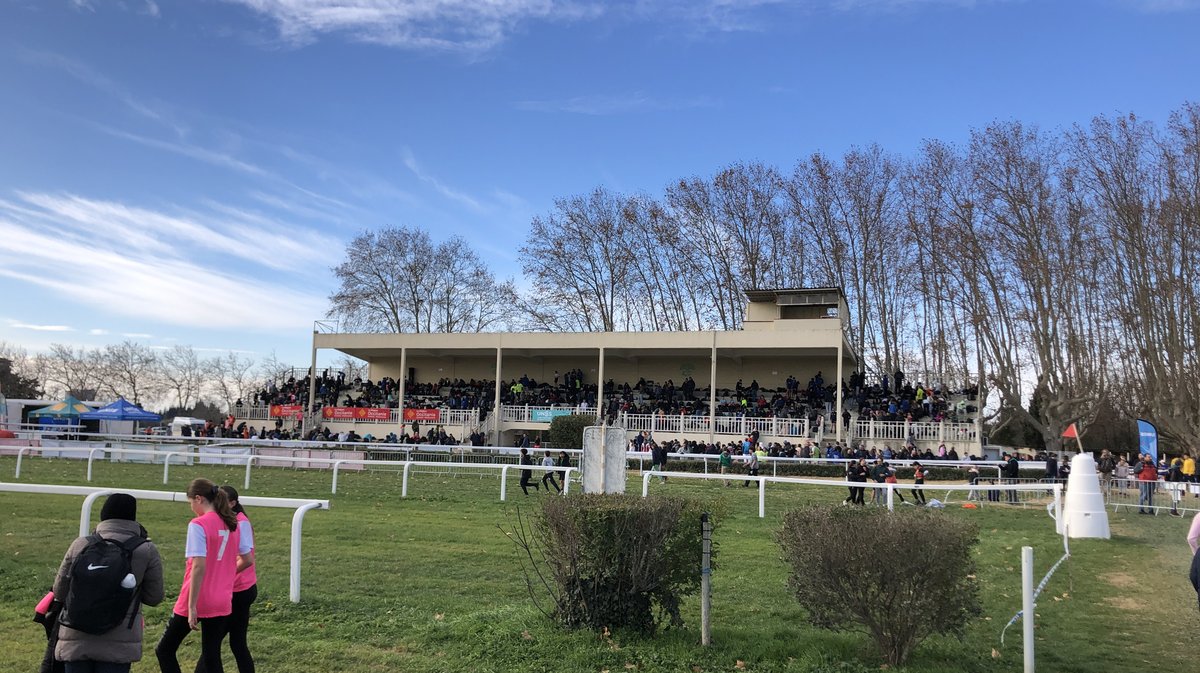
[
  {"x": 548, "y": 476},
  {"x": 919, "y": 474},
  {"x": 751, "y": 467},
  {"x": 245, "y": 587},
  {"x": 206, "y": 597},
  {"x": 111, "y": 651},
  {"x": 726, "y": 463},
  {"x": 526, "y": 473}
]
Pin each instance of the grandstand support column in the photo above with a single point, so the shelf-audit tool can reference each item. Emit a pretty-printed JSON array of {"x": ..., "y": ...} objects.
[
  {"x": 496, "y": 400},
  {"x": 712, "y": 393},
  {"x": 402, "y": 385},
  {"x": 600, "y": 388},
  {"x": 838, "y": 393},
  {"x": 312, "y": 387}
]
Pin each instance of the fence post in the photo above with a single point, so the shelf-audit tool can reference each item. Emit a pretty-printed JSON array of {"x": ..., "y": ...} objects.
[
  {"x": 891, "y": 493},
  {"x": 503, "y": 481},
  {"x": 1027, "y": 605},
  {"x": 404, "y": 481},
  {"x": 762, "y": 497},
  {"x": 297, "y": 524},
  {"x": 249, "y": 461},
  {"x": 91, "y": 455},
  {"x": 705, "y": 580}
]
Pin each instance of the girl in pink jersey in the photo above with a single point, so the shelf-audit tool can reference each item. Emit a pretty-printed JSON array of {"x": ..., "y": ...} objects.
[
  {"x": 206, "y": 598},
  {"x": 245, "y": 586}
]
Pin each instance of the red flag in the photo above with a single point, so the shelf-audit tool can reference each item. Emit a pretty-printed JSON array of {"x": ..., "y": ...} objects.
[{"x": 1071, "y": 432}]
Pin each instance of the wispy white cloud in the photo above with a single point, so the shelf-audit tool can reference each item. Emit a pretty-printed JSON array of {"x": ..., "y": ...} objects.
[
  {"x": 410, "y": 161},
  {"x": 151, "y": 9},
  {"x": 447, "y": 25},
  {"x": 55, "y": 241},
  {"x": 16, "y": 324},
  {"x": 244, "y": 234},
  {"x": 150, "y": 109},
  {"x": 614, "y": 104},
  {"x": 137, "y": 335},
  {"x": 96, "y": 331}
]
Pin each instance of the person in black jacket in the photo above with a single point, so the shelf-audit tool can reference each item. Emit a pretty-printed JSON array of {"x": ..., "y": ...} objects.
[
  {"x": 526, "y": 475},
  {"x": 857, "y": 474},
  {"x": 1012, "y": 472}
]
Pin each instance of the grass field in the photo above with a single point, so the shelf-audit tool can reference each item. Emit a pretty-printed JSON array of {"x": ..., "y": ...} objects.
[{"x": 430, "y": 583}]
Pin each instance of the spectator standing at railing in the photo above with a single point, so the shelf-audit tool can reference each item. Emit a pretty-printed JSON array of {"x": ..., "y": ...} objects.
[
  {"x": 1189, "y": 471},
  {"x": 1105, "y": 466},
  {"x": 1051, "y": 468},
  {"x": 1147, "y": 475},
  {"x": 1121, "y": 473}
]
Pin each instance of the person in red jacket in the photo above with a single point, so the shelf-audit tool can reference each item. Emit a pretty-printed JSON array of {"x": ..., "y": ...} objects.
[{"x": 1147, "y": 475}]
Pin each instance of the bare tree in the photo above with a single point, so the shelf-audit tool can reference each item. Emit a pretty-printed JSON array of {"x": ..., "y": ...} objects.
[
  {"x": 852, "y": 222},
  {"x": 1031, "y": 268},
  {"x": 230, "y": 378},
  {"x": 130, "y": 370},
  {"x": 1144, "y": 191},
  {"x": 463, "y": 294},
  {"x": 398, "y": 280},
  {"x": 182, "y": 374},
  {"x": 70, "y": 370},
  {"x": 579, "y": 264},
  {"x": 737, "y": 235}
]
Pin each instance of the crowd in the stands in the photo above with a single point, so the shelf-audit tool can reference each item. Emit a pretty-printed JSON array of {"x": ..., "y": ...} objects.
[{"x": 891, "y": 398}]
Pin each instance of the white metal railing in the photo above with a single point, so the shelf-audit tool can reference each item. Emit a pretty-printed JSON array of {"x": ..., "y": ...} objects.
[
  {"x": 724, "y": 425},
  {"x": 464, "y": 417},
  {"x": 302, "y": 507},
  {"x": 922, "y": 431},
  {"x": 889, "y": 489}
]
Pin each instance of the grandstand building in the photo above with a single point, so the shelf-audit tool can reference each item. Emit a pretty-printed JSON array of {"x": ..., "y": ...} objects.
[{"x": 708, "y": 387}]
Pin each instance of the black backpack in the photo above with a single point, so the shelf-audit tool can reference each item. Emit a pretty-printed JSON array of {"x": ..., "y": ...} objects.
[{"x": 96, "y": 602}]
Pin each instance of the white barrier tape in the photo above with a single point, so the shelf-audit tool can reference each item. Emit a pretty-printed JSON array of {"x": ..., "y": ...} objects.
[{"x": 1036, "y": 592}]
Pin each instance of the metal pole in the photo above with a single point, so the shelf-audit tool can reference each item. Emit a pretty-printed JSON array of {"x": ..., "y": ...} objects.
[
  {"x": 705, "y": 580},
  {"x": 312, "y": 390},
  {"x": 297, "y": 525},
  {"x": 1027, "y": 604},
  {"x": 712, "y": 393}
]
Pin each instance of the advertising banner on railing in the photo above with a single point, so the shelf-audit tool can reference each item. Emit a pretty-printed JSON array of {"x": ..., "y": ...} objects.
[
  {"x": 1148, "y": 438},
  {"x": 423, "y": 415},
  {"x": 356, "y": 414},
  {"x": 287, "y": 410},
  {"x": 547, "y": 415}
]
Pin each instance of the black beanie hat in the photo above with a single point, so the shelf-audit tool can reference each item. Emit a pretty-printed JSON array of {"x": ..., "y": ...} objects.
[{"x": 119, "y": 506}]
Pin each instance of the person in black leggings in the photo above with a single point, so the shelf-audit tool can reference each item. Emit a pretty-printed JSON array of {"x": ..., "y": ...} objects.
[
  {"x": 245, "y": 588},
  {"x": 918, "y": 479}
]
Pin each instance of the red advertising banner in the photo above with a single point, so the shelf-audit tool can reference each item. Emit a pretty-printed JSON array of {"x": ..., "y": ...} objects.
[
  {"x": 356, "y": 414},
  {"x": 423, "y": 415},
  {"x": 287, "y": 410}
]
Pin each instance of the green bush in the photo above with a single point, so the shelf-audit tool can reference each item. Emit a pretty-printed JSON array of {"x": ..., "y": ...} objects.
[
  {"x": 613, "y": 561},
  {"x": 898, "y": 576},
  {"x": 566, "y": 432}
]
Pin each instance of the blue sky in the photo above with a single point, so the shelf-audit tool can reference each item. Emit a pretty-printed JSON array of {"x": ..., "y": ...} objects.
[{"x": 188, "y": 171}]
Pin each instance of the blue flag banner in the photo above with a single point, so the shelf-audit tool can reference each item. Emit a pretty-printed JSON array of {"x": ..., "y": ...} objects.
[{"x": 1148, "y": 438}]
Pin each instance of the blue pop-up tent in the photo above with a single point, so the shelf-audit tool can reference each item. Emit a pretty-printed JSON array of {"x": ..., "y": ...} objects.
[
  {"x": 120, "y": 417},
  {"x": 121, "y": 410}
]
